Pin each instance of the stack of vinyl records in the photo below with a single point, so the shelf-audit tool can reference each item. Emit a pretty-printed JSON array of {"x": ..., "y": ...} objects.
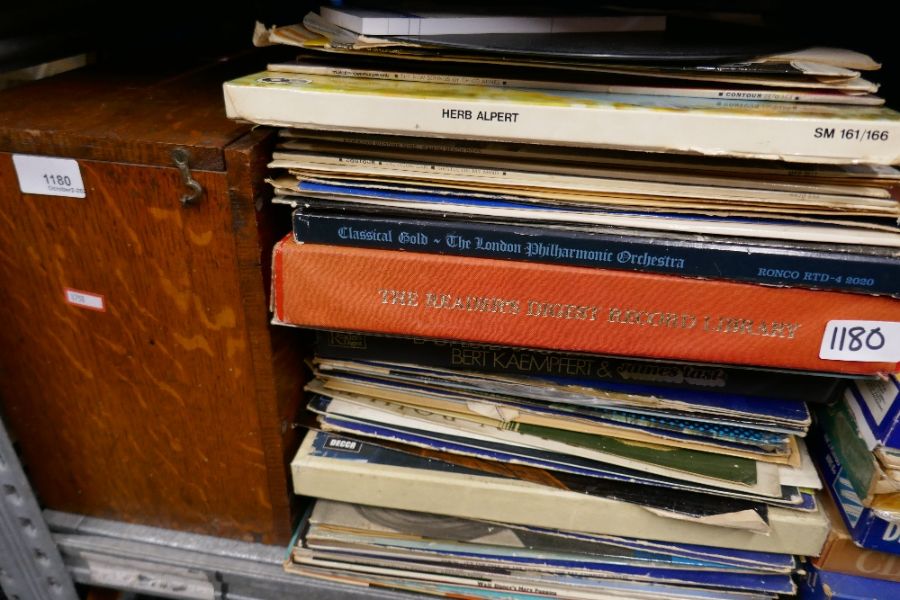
[
  {"x": 632, "y": 456},
  {"x": 576, "y": 291}
]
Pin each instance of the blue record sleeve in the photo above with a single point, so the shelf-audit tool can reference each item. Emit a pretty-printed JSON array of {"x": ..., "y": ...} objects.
[
  {"x": 766, "y": 262},
  {"x": 659, "y": 376},
  {"x": 828, "y": 585},
  {"x": 761, "y": 582}
]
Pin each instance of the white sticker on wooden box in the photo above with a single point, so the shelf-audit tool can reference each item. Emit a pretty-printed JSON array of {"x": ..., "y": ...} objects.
[
  {"x": 49, "y": 176},
  {"x": 85, "y": 299}
]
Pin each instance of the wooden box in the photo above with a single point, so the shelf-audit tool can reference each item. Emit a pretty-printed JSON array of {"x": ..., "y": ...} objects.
[{"x": 138, "y": 370}]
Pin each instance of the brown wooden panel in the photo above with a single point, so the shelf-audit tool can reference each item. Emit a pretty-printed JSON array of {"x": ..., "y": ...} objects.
[
  {"x": 99, "y": 593},
  {"x": 277, "y": 351},
  {"x": 136, "y": 117},
  {"x": 146, "y": 412}
]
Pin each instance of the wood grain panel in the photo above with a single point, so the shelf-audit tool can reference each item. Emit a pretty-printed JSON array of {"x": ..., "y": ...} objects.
[
  {"x": 137, "y": 117},
  {"x": 277, "y": 351},
  {"x": 149, "y": 411}
]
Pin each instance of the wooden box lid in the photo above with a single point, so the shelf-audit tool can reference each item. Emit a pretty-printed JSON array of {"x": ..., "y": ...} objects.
[{"x": 131, "y": 117}]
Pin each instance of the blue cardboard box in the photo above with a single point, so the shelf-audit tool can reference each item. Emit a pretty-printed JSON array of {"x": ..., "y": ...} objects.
[
  {"x": 866, "y": 525},
  {"x": 876, "y": 408}
]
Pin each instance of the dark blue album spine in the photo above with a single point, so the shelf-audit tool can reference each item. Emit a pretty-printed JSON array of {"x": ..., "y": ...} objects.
[
  {"x": 745, "y": 262},
  {"x": 559, "y": 366}
]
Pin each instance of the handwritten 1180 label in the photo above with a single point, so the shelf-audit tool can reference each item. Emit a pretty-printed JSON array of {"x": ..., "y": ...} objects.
[
  {"x": 862, "y": 341},
  {"x": 49, "y": 176}
]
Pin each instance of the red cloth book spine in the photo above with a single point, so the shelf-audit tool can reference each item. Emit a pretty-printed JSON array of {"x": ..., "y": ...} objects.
[{"x": 565, "y": 308}]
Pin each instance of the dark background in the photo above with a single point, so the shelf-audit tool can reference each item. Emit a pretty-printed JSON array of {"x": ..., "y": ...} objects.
[{"x": 179, "y": 34}]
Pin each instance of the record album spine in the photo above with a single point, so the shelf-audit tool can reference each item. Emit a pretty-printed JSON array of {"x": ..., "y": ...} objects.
[
  {"x": 565, "y": 308},
  {"x": 733, "y": 93},
  {"x": 720, "y": 128},
  {"x": 343, "y": 345},
  {"x": 513, "y": 501},
  {"x": 769, "y": 265}
]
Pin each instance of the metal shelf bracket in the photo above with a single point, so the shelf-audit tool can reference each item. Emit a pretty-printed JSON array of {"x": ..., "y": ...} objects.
[{"x": 31, "y": 567}]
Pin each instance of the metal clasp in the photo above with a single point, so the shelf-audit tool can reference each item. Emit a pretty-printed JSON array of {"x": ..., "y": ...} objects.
[{"x": 181, "y": 157}]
